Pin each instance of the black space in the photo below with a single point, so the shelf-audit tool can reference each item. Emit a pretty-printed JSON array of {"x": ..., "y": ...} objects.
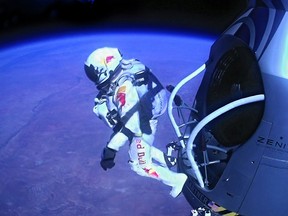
[{"x": 19, "y": 19}]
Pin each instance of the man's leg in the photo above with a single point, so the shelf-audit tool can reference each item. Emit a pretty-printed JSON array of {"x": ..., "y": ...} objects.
[
  {"x": 156, "y": 154},
  {"x": 141, "y": 163}
]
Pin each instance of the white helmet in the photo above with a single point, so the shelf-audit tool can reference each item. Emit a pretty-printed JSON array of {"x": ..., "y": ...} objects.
[{"x": 102, "y": 64}]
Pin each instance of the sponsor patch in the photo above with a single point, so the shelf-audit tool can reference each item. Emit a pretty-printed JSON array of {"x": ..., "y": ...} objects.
[{"x": 121, "y": 95}]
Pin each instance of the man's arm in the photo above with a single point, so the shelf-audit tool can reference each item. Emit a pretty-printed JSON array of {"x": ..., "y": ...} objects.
[{"x": 127, "y": 102}]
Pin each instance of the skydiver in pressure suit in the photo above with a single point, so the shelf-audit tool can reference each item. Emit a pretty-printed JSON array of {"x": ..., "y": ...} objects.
[{"x": 129, "y": 101}]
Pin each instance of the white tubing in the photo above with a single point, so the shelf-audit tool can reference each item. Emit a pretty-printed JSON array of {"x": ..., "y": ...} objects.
[
  {"x": 172, "y": 96},
  {"x": 209, "y": 118}
]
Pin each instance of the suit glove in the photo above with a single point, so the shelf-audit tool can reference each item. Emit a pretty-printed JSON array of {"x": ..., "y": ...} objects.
[{"x": 107, "y": 158}]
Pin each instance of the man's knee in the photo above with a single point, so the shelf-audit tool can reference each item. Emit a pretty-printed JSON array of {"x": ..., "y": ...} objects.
[
  {"x": 136, "y": 168},
  {"x": 147, "y": 171}
]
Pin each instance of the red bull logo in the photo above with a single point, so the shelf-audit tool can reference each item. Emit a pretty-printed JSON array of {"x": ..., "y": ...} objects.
[
  {"x": 141, "y": 152},
  {"x": 141, "y": 159},
  {"x": 121, "y": 95},
  {"x": 109, "y": 59},
  {"x": 151, "y": 172}
]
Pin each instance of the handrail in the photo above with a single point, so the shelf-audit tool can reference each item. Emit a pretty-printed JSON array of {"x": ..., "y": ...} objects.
[
  {"x": 210, "y": 117},
  {"x": 174, "y": 124},
  {"x": 204, "y": 121}
]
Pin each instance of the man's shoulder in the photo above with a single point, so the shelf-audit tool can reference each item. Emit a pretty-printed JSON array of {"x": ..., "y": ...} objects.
[{"x": 133, "y": 65}]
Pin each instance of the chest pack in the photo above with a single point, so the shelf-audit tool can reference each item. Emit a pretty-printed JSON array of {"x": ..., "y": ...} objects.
[{"x": 135, "y": 71}]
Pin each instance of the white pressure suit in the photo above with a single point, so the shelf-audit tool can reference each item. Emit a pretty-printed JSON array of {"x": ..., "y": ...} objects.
[{"x": 131, "y": 105}]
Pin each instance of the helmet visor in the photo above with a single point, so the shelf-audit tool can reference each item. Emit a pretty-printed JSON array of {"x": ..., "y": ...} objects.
[{"x": 91, "y": 73}]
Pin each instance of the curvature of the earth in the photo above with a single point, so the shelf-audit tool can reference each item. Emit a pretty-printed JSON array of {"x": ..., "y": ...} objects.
[{"x": 50, "y": 140}]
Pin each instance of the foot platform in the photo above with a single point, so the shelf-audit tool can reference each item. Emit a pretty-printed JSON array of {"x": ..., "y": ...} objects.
[
  {"x": 169, "y": 158},
  {"x": 172, "y": 146}
]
